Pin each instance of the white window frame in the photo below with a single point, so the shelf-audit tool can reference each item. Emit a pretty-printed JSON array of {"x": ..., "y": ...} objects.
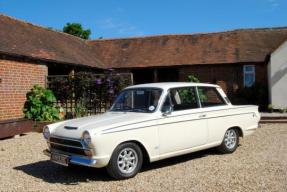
[{"x": 245, "y": 72}]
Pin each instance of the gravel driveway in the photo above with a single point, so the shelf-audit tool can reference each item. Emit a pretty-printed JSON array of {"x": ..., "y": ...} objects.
[{"x": 259, "y": 164}]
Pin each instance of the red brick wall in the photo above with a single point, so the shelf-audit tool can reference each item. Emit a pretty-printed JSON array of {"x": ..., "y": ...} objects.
[
  {"x": 228, "y": 76},
  {"x": 261, "y": 73},
  {"x": 17, "y": 78}
]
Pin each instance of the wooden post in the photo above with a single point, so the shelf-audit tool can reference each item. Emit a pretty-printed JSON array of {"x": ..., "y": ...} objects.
[{"x": 155, "y": 78}]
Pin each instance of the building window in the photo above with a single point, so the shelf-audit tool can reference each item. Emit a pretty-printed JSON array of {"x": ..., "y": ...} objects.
[{"x": 249, "y": 75}]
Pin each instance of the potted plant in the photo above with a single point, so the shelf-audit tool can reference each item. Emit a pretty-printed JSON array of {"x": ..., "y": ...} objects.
[{"x": 41, "y": 107}]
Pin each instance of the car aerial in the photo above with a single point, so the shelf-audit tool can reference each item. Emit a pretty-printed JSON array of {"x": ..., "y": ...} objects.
[{"x": 151, "y": 122}]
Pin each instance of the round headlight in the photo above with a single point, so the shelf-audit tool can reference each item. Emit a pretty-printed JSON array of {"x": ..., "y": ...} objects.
[
  {"x": 46, "y": 132},
  {"x": 87, "y": 138}
]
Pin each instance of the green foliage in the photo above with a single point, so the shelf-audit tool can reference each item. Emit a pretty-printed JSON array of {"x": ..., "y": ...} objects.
[
  {"x": 76, "y": 29},
  {"x": 201, "y": 95},
  {"x": 40, "y": 105},
  {"x": 80, "y": 109},
  {"x": 193, "y": 79},
  {"x": 269, "y": 107},
  {"x": 187, "y": 95}
]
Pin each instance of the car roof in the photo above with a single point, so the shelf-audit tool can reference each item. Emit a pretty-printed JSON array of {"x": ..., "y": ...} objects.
[{"x": 168, "y": 85}]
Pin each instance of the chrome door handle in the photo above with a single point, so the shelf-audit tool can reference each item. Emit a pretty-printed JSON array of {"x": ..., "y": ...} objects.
[{"x": 202, "y": 116}]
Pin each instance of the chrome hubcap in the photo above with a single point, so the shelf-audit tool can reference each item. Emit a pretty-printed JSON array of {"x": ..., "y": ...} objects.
[
  {"x": 127, "y": 160},
  {"x": 230, "y": 139}
]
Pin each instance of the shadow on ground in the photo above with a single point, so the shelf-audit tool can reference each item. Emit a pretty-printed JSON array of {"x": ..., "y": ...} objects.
[
  {"x": 179, "y": 159},
  {"x": 53, "y": 173}
]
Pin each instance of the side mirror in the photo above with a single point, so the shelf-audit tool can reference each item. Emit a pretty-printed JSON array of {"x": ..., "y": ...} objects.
[{"x": 167, "y": 110}]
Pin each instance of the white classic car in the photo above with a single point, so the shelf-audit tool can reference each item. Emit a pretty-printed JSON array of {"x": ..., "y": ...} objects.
[{"x": 151, "y": 122}]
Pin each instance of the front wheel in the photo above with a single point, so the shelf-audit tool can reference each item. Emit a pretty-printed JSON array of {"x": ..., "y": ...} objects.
[
  {"x": 230, "y": 141},
  {"x": 126, "y": 161}
]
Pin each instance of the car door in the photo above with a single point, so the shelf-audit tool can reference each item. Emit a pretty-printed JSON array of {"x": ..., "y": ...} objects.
[
  {"x": 216, "y": 109},
  {"x": 185, "y": 126}
]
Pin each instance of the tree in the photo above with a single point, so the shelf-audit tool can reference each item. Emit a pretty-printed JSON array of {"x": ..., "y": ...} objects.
[{"x": 76, "y": 29}]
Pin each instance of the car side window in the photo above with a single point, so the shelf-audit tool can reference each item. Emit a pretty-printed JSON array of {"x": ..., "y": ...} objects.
[
  {"x": 183, "y": 98},
  {"x": 209, "y": 97}
]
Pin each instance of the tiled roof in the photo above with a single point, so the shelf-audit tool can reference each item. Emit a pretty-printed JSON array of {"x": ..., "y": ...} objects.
[
  {"x": 25, "y": 39},
  {"x": 246, "y": 45}
]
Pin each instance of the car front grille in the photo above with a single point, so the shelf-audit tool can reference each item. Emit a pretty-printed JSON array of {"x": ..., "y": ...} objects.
[
  {"x": 74, "y": 143},
  {"x": 66, "y": 145}
]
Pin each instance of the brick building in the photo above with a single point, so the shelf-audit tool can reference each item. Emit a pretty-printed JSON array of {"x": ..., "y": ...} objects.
[
  {"x": 16, "y": 79},
  {"x": 212, "y": 57},
  {"x": 29, "y": 53}
]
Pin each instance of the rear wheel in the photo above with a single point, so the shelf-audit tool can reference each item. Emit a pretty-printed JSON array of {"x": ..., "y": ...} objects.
[
  {"x": 230, "y": 141},
  {"x": 126, "y": 161}
]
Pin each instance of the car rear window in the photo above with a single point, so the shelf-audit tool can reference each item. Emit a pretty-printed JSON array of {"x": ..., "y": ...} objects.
[{"x": 210, "y": 97}]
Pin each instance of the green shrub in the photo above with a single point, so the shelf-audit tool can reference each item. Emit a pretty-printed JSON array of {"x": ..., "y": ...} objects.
[
  {"x": 192, "y": 79},
  {"x": 269, "y": 107},
  {"x": 80, "y": 109},
  {"x": 41, "y": 105}
]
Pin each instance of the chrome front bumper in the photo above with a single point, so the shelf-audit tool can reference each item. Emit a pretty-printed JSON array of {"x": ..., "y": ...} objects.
[{"x": 75, "y": 159}]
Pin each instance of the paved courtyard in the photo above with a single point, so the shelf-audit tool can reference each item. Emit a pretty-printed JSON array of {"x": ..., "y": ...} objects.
[{"x": 259, "y": 164}]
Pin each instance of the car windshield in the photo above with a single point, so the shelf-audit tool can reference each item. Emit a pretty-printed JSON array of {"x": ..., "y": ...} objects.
[{"x": 137, "y": 100}]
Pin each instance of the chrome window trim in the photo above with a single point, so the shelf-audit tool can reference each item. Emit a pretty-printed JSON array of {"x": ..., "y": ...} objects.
[{"x": 197, "y": 97}]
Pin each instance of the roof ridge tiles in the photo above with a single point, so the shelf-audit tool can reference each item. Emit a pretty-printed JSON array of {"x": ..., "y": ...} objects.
[
  {"x": 190, "y": 34},
  {"x": 41, "y": 27}
]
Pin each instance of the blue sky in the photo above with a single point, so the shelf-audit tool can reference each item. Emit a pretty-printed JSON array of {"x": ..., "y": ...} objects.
[{"x": 125, "y": 18}]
